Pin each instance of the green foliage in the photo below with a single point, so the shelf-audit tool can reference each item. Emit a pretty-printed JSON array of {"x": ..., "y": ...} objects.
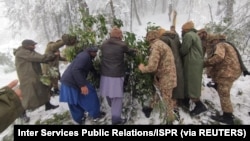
[
  {"x": 45, "y": 79},
  {"x": 58, "y": 119},
  {"x": 117, "y": 22},
  {"x": 139, "y": 84},
  {"x": 151, "y": 26},
  {"x": 93, "y": 31}
]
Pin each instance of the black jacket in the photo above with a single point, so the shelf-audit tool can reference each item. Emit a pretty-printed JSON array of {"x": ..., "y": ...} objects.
[{"x": 112, "y": 59}]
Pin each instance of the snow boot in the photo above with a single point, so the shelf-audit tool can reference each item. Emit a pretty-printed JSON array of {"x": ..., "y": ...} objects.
[
  {"x": 199, "y": 108},
  {"x": 49, "y": 106},
  {"x": 147, "y": 111},
  {"x": 226, "y": 118}
]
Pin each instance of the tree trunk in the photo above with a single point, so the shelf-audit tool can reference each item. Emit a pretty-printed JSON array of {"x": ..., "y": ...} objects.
[
  {"x": 155, "y": 5},
  {"x": 136, "y": 13},
  {"x": 131, "y": 15},
  {"x": 112, "y": 9},
  {"x": 164, "y": 6},
  {"x": 170, "y": 9},
  {"x": 45, "y": 28},
  {"x": 229, "y": 10},
  {"x": 68, "y": 14},
  {"x": 210, "y": 10}
]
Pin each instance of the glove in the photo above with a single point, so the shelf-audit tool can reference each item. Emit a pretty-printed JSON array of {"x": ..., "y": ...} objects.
[{"x": 246, "y": 73}]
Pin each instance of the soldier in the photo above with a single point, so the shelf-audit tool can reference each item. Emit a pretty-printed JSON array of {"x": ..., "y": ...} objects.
[
  {"x": 51, "y": 69},
  {"x": 172, "y": 40},
  {"x": 225, "y": 70},
  {"x": 208, "y": 52},
  {"x": 204, "y": 41},
  {"x": 161, "y": 62},
  {"x": 192, "y": 54}
]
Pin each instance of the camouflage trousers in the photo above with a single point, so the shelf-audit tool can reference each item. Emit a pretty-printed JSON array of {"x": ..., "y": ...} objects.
[
  {"x": 223, "y": 88},
  {"x": 165, "y": 95},
  {"x": 54, "y": 83}
]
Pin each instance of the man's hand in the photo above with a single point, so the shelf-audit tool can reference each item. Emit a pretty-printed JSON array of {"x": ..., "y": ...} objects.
[
  {"x": 84, "y": 90},
  {"x": 141, "y": 67},
  {"x": 17, "y": 91}
]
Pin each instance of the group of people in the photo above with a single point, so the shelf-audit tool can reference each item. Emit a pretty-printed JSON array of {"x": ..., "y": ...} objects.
[
  {"x": 177, "y": 67},
  {"x": 31, "y": 90}
]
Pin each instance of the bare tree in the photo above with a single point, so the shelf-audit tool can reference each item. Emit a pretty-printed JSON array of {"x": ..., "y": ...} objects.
[
  {"x": 112, "y": 9},
  {"x": 136, "y": 13},
  {"x": 164, "y": 6},
  {"x": 229, "y": 10}
]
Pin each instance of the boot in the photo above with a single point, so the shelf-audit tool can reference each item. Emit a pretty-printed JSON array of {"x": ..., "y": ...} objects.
[
  {"x": 147, "y": 111},
  {"x": 24, "y": 117},
  {"x": 56, "y": 91},
  {"x": 199, "y": 108},
  {"x": 226, "y": 118},
  {"x": 212, "y": 85},
  {"x": 184, "y": 103},
  {"x": 123, "y": 121},
  {"x": 49, "y": 106}
]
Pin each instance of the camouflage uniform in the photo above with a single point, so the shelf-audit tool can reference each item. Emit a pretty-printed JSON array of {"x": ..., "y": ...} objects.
[
  {"x": 53, "y": 47},
  {"x": 207, "y": 50},
  {"x": 161, "y": 63},
  {"x": 225, "y": 70}
]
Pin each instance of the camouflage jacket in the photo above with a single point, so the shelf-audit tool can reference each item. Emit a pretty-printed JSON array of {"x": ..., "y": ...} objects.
[
  {"x": 53, "y": 47},
  {"x": 224, "y": 62},
  {"x": 161, "y": 63}
]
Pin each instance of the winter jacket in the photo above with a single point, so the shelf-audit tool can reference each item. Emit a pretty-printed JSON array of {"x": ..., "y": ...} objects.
[
  {"x": 53, "y": 47},
  {"x": 192, "y": 56},
  {"x": 224, "y": 62},
  {"x": 161, "y": 64},
  {"x": 28, "y": 67},
  {"x": 76, "y": 73},
  {"x": 112, "y": 57},
  {"x": 171, "y": 39},
  {"x": 10, "y": 107}
]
